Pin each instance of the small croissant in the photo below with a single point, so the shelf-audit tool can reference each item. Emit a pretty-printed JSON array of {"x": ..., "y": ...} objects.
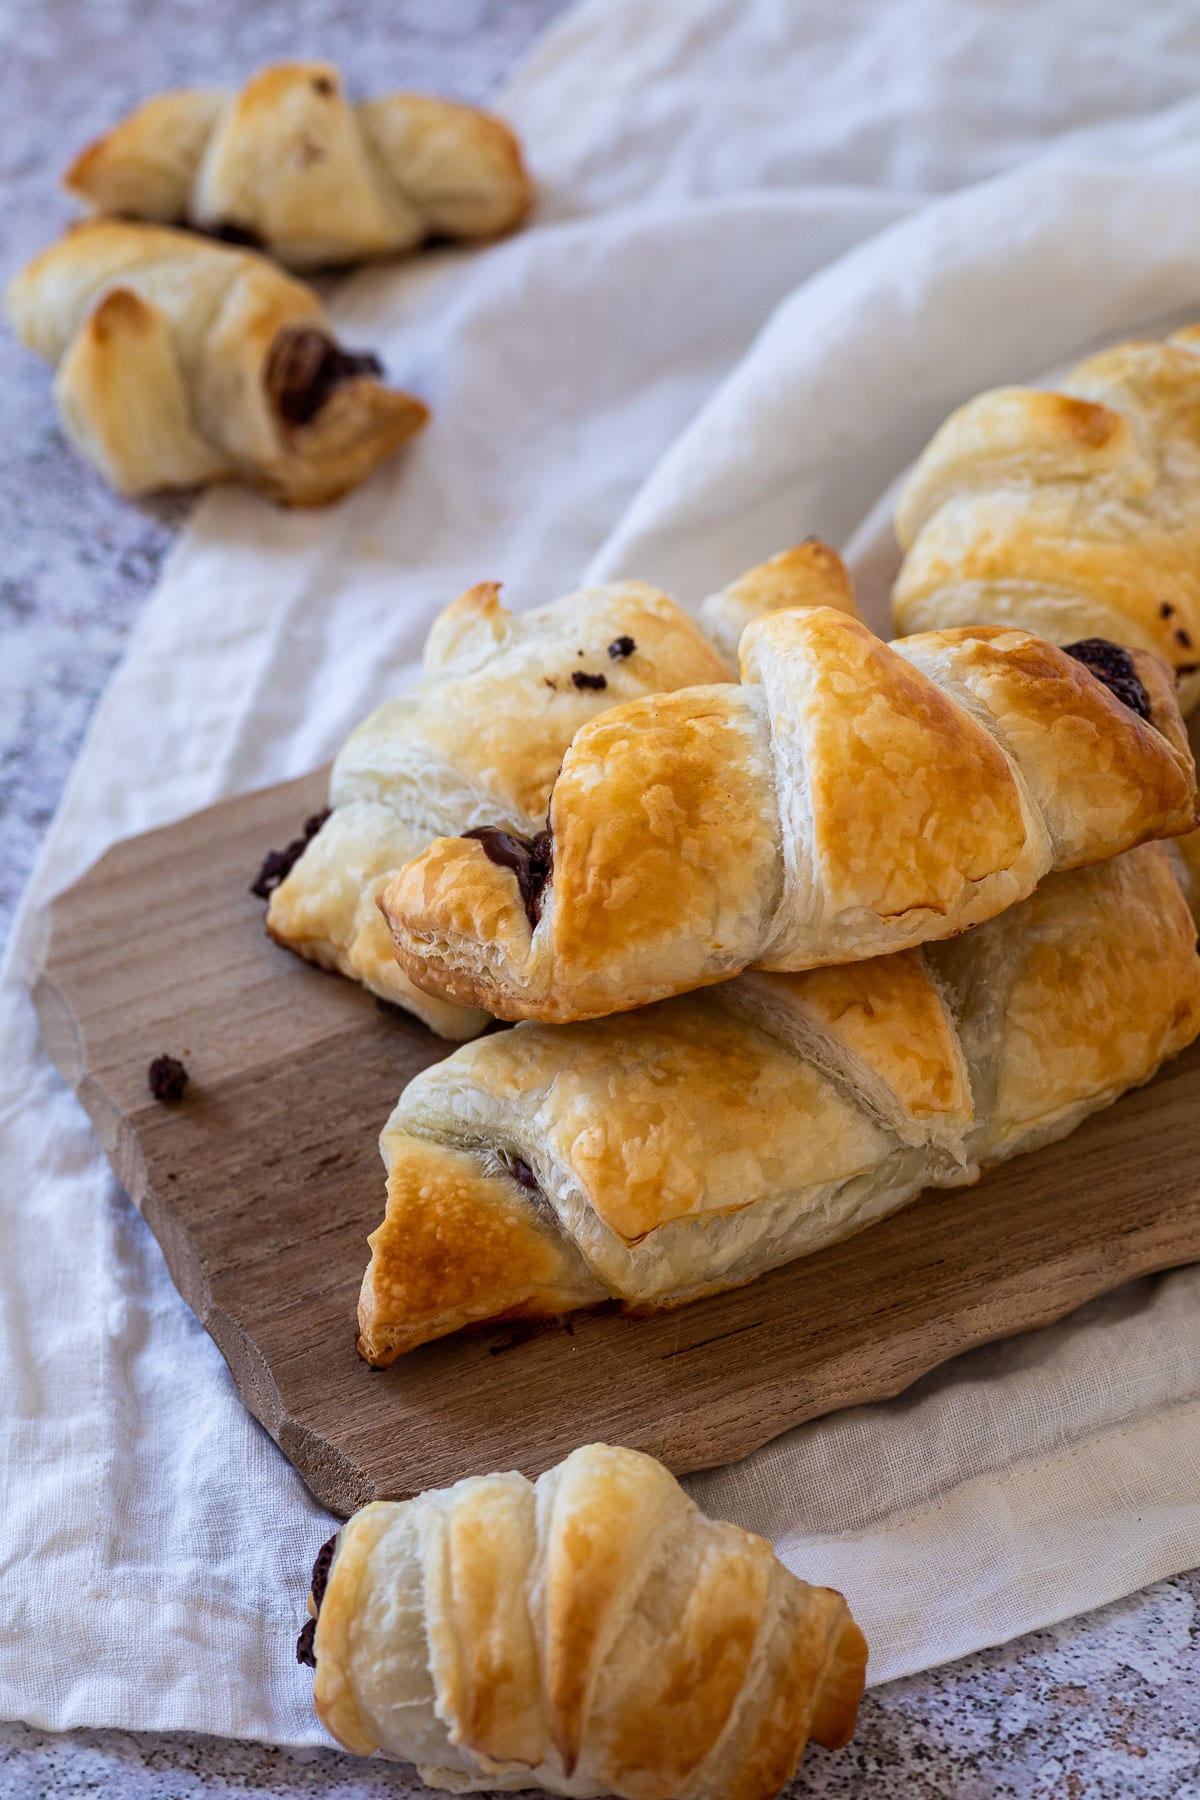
[
  {"x": 290, "y": 166},
  {"x": 182, "y": 362},
  {"x": 591, "y": 1633},
  {"x": 848, "y": 799}
]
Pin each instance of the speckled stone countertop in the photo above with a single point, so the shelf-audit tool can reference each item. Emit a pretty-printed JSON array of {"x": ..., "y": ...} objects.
[{"x": 1105, "y": 1706}]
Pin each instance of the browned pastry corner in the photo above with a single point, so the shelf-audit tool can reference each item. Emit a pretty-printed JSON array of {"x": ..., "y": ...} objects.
[
  {"x": 686, "y": 1148},
  {"x": 848, "y": 799},
  {"x": 292, "y": 167},
  {"x": 479, "y": 739},
  {"x": 181, "y": 362},
  {"x": 1075, "y": 514},
  {"x": 590, "y": 1633}
]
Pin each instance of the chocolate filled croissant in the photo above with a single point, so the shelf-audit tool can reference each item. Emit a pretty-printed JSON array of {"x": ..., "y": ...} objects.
[
  {"x": 290, "y": 166},
  {"x": 479, "y": 739},
  {"x": 848, "y": 799},
  {"x": 591, "y": 1633},
  {"x": 686, "y": 1148},
  {"x": 181, "y": 362},
  {"x": 1075, "y": 514}
]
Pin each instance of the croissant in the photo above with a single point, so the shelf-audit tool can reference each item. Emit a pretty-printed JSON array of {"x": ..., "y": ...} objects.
[
  {"x": 290, "y": 166},
  {"x": 590, "y": 1633},
  {"x": 182, "y": 362},
  {"x": 689, "y": 1147},
  {"x": 480, "y": 738},
  {"x": 850, "y": 798},
  {"x": 1073, "y": 514}
]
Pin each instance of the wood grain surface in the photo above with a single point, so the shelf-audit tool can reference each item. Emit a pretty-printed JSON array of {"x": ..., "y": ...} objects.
[{"x": 261, "y": 1187}]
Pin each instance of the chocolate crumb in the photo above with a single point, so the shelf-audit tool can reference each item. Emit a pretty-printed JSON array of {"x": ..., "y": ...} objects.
[
  {"x": 621, "y": 647},
  {"x": 1186, "y": 668},
  {"x": 167, "y": 1078},
  {"x": 1166, "y": 610},
  {"x": 323, "y": 85},
  {"x": 530, "y": 859},
  {"x": 305, "y": 1651},
  {"x": 1181, "y": 637},
  {"x": 278, "y": 864},
  {"x": 305, "y": 366},
  {"x": 549, "y": 681},
  {"x": 1114, "y": 667},
  {"x": 581, "y": 679}
]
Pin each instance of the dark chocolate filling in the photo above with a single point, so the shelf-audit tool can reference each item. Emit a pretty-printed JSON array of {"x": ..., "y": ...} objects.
[
  {"x": 320, "y": 1570},
  {"x": 277, "y": 864},
  {"x": 305, "y": 1651},
  {"x": 531, "y": 860},
  {"x": 581, "y": 679},
  {"x": 304, "y": 368},
  {"x": 621, "y": 647},
  {"x": 167, "y": 1079},
  {"x": 520, "y": 1171},
  {"x": 1114, "y": 667},
  {"x": 228, "y": 231}
]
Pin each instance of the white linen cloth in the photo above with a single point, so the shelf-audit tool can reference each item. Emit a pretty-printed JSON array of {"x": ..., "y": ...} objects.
[{"x": 742, "y": 253}]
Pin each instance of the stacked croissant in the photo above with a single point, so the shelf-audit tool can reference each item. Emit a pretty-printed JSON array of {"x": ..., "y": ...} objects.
[
  {"x": 784, "y": 951},
  {"x": 183, "y": 354}
]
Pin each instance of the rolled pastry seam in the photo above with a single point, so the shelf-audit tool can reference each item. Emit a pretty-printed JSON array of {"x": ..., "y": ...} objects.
[
  {"x": 479, "y": 740},
  {"x": 292, "y": 167},
  {"x": 688, "y": 1147},
  {"x": 848, "y": 799},
  {"x": 1072, "y": 513},
  {"x": 591, "y": 1633},
  {"x": 181, "y": 362}
]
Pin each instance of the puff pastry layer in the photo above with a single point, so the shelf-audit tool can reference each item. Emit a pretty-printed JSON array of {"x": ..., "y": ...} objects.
[
  {"x": 479, "y": 740},
  {"x": 1073, "y": 514},
  {"x": 290, "y": 166},
  {"x": 593, "y": 1633},
  {"x": 181, "y": 362},
  {"x": 691, "y": 1146},
  {"x": 848, "y": 799}
]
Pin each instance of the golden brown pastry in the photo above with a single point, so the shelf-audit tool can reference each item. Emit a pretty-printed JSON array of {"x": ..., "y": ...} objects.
[
  {"x": 480, "y": 738},
  {"x": 290, "y": 166},
  {"x": 182, "y": 362},
  {"x": 850, "y": 798},
  {"x": 1073, "y": 514},
  {"x": 591, "y": 1633},
  {"x": 689, "y": 1147}
]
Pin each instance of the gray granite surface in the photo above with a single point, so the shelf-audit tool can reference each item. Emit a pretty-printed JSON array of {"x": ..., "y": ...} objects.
[{"x": 1105, "y": 1706}]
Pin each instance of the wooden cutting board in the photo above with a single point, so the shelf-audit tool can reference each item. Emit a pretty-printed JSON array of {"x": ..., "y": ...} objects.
[{"x": 262, "y": 1185}]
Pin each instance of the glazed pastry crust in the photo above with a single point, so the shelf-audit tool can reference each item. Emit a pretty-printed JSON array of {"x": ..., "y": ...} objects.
[
  {"x": 1072, "y": 514},
  {"x": 168, "y": 351},
  {"x": 593, "y": 1633},
  {"x": 291, "y": 166},
  {"x": 848, "y": 799},
  {"x": 480, "y": 739},
  {"x": 692, "y": 1145}
]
